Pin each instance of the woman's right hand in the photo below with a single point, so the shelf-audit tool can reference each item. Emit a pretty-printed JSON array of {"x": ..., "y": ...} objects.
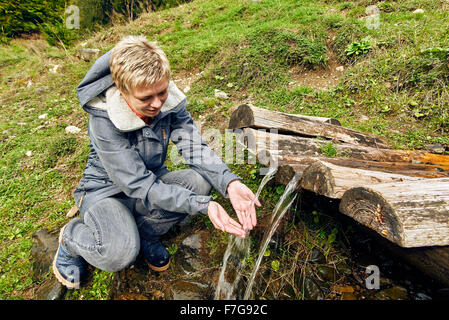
[{"x": 222, "y": 221}]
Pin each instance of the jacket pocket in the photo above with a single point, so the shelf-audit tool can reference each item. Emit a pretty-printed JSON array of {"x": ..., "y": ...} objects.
[{"x": 151, "y": 150}]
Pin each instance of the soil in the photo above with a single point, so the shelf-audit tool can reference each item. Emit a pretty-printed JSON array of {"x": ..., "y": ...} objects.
[{"x": 320, "y": 78}]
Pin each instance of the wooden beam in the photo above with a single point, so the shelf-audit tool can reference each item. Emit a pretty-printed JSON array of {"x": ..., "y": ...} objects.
[
  {"x": 290, "y": 149},
  {"x": 315, "y": 118},
  {"x": 414, "y": 170},
  {"x": 247, "y": 115},
  {"x": 408, "y": 213},
  {"x": 333, "y": 181}
]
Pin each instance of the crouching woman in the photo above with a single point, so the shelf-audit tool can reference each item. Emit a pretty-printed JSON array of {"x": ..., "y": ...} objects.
[{"x": 127, "y": 197}]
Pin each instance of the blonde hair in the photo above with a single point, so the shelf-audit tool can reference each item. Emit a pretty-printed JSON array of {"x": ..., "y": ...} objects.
[{"x": 135, "y": 61}]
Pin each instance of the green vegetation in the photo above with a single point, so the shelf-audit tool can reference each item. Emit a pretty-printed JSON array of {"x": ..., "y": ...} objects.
[
  {"x": 395, "y": 87},
  {"x": 97, "y": 290},
  {"x": 329, "y": 149},
  {"x": 25, "y": 16},
  {"x": 358, "y": 48}
]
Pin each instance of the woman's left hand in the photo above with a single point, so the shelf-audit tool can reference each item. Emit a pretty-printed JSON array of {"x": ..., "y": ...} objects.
[{"x": 243, "y": 201}]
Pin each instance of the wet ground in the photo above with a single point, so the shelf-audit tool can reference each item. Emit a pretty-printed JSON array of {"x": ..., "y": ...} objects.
[
  {"x": 309, "y": 267},
  {"x": 343, "y": 273},
  {"x": 315, "y": 254}
]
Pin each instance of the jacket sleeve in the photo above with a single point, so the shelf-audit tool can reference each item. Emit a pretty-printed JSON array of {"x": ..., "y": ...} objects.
[
  {"x": 187, "y": 138},
  {"x": 127, "y": 170}
]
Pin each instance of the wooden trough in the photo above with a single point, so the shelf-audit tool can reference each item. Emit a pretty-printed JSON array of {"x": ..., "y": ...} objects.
[{"x": 403, "y": 195}]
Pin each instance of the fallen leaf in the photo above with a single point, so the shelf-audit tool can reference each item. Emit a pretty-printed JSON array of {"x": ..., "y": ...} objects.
[{"x": 341, "y": 289}]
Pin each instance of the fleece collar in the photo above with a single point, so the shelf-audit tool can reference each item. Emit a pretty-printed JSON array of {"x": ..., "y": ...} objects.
[{"x": 121, "y": 114}]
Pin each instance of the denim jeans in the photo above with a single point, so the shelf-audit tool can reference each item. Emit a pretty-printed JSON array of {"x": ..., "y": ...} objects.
[{"x": 108, "y": 234}]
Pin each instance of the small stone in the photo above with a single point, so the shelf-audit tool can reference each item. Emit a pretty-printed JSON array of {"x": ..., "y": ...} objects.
[
  {"x": 72, "y": 130},
  {"x": 364, "y": 118},
  {"x": 220, "y": 94},
  {"x": 327, "y": 273},
  {"x": 186, "y": 89},
  {"x": 188, "y": 290},
  {"x": 29, "y": 83},
  {"x": 55, "y": 68},
  {"x": 317, "y": 256},
  {"x": 43, "y": 116},
  {"x": 52, "y": 289},
  {"x": 436, "y": 148},
  {"x": 193, "y": 242},
  {"x": 43, "y": 251},
  {"x": 340, "y": 68},
  {"x": 343, "y": 268},
  {"x": 393, "y": 293},
  {"x": 418, "y": 11},
  {"x": 422, "y": 296},
  {"x": 311, "y": 290},
  {"x": 29, "y": 153},
  {"x": 88, "y": 54}
]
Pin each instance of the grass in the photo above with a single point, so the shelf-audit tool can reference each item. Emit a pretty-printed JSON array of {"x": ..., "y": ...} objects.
[{"x": 252, "y": 51}]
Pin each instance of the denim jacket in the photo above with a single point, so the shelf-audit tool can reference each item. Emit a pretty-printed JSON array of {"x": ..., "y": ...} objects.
[{"x": 127, "y": 155}]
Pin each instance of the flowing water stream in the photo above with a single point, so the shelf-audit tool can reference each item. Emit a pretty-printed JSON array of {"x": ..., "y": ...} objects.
[
  {"x": 282, "y": 206},
  {"x": 237, "y": 250}
]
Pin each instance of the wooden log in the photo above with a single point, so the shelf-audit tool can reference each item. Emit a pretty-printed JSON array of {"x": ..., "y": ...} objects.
[
  {"x": 247, "y": 115},
  {"x": 289, "y": 148},
  {"x": 333, "y": 181},
  {"x": 409, "y": 213},
  {"x": 432, "y": 261},
  {"x": 315, "y": 118},
  {"x": 299, "y": 164}
]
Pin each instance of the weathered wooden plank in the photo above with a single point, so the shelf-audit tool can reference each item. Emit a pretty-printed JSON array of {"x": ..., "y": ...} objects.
[
  {"x": 247, "y": 115},
  {"x": 408, "y": 213},
  {"x": 299, "y": 164},
  {"x": 288, "y": 148},
  {"x": 315, "y": 118},
  {"x": 333, "y": 181}
]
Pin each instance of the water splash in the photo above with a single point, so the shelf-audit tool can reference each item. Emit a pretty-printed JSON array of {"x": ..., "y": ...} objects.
[
  {"x": 282, "y": 206},
  {"x": 270, "y": 174},
  {"x": 238, "y": 249}
]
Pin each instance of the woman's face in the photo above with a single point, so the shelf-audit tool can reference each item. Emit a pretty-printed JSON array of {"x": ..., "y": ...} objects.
[{"x": 148, "y": 100}]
